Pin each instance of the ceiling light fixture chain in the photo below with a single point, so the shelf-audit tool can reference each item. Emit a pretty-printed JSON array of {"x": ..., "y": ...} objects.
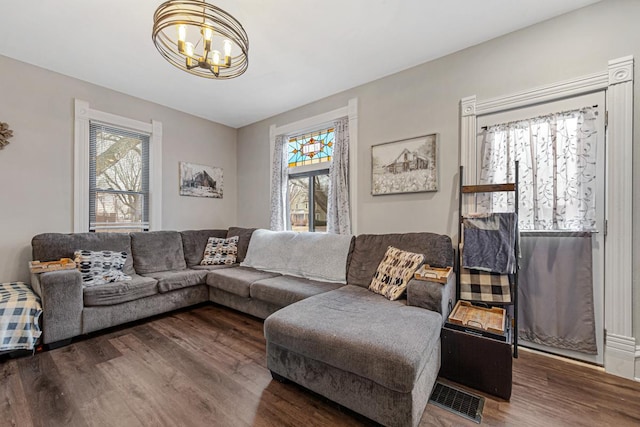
[{"x": 201, "y": 39}]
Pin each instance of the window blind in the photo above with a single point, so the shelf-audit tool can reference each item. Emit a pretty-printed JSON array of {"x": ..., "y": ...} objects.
[{"x": 118, "y": 179}]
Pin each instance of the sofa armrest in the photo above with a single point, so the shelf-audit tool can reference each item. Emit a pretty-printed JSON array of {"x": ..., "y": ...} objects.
[
  {"x": 433, "y": 296},
  {"x": 62, "y": 303}
]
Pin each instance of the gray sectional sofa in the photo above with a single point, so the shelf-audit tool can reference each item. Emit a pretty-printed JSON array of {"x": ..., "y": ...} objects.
[{"x": 324, "y": 329}]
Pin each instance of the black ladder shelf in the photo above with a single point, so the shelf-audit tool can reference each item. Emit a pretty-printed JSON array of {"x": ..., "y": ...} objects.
[{"x": 492, "y": 188}]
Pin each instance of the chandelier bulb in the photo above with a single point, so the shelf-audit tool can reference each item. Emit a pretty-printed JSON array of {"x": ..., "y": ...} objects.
[
  {"x": 216, "y": 57},
  {"x": 208, "y": 33},
  {"x": 189, "y": 49},
  {"x": 182, "y": 32},
  {"x": 227, "y": 48}
]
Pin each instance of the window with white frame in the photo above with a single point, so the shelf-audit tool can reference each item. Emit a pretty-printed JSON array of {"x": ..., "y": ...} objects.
[
  {"x": 117, "y": 185},
  {"x": 118, "y": 179},
  {"x": 309, "y": 156},
  {"x": 313, "y": 176}
]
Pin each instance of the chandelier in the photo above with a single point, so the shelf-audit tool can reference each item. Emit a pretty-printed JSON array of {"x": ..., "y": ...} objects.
[{"x": 201, "y": 39}]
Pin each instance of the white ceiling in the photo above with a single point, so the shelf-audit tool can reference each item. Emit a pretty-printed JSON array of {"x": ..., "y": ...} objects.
[{"x": 299, "y": 50}]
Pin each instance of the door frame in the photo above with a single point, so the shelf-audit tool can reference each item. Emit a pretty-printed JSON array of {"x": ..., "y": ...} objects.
[{"x": 620, "y": 345}]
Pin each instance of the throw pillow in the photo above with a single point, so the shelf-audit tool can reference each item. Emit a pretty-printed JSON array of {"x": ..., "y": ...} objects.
[
  {"x": 100, "y": 267},
  {"x": 394, "y": 272},
  {"x": 220, "y": 251}
]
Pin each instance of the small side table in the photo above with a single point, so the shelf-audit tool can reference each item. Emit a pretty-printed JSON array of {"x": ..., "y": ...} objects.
[{"x": 478, "y": 362}]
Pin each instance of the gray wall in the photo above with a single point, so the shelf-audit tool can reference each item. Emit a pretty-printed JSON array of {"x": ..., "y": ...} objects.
[
  {"x": 36, "y": 168},
  {"x": 425, "y": 99}
]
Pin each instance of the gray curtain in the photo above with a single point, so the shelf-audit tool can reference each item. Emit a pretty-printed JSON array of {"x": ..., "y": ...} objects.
[
  {"x": 338, "y": 212},
  {"x": 279, "y": 182},
  {"x": 556, "y": 291}
]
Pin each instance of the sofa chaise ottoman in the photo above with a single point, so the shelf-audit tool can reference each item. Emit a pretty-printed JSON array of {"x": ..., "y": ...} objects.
[{"x": 377, "y": 357}]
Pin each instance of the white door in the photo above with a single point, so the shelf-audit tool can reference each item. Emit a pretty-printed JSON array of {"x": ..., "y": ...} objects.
[{"x": 595, "y": 99}]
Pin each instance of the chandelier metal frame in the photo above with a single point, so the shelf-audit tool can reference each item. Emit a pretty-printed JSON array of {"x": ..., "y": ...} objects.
[{"x": 175, "y": 23}]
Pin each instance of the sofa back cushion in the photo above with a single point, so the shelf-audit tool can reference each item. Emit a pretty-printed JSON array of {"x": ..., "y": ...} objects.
[
  {"x": 244, "y": 237},
  {"x": 315, "y": 256},
  {"x": 157, "y": 251},
  {"x": 194, "y": 243},
  {"x": 53, "y": 246},
  {"x": 369, "y": 250}
]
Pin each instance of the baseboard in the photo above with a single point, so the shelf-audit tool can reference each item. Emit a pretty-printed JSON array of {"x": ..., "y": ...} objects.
[
  {"x": 620, "y": 356},
  {"x": 637, "y": 376}
]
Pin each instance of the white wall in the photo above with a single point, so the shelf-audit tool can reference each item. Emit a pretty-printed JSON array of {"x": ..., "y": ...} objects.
[
  {"x": 36, "y": 168},
  {"x": 425, "y": 99}
]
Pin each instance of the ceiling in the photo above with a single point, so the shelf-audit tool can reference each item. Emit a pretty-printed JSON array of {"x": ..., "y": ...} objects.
[{"x": 299, "y": 50}]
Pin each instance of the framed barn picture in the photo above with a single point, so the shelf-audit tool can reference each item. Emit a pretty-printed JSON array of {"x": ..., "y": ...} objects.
[
  {"x": 200, "y": 181},
  {"x": 405, "y": 166}
]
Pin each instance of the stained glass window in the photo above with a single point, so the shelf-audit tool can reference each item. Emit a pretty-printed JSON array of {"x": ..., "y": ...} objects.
[{"x": 311, "y": 148}]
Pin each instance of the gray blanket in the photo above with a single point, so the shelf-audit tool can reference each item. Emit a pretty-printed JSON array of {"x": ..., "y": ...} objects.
[{"x": 489, "y": 242}]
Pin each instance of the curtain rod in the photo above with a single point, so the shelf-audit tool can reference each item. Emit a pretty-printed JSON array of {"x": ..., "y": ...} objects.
[{"x": 560, "y": 112}]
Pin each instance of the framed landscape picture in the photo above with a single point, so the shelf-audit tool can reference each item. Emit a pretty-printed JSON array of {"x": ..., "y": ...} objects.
[
  {"x": 200, "y": 181},
  {"x": 405, "y": 166}
]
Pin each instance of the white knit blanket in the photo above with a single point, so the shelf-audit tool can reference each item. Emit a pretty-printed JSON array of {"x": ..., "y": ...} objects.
[{"x": 316, "y": 256}]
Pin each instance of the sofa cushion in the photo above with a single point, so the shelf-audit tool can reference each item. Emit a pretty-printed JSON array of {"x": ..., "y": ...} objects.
[
  {"x": 53, "y": 246},
  {"x": 220, "y": 251},
  {"x": 178, "y": 279},
  {"x": 369, "y": 249},
  {"x": 244, "y": 235},
  {"x": 394, "y": 272},
  {"x": 100, "y": 267},
  {"x": 285, "y": 290},
  {"x": 157, "y": 251},
  {"x": 357, "y": 331},
  {"x": 194, "y": 242},
  {"x": 237, "y": 280},
  {"x": 315, "y": 256},
  {"x": 119, "y": 292}
]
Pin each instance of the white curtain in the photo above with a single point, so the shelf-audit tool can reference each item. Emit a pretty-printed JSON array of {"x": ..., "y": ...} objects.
[
  {"x": 557, "y": 155},
  {"x": 338, "y": 213},
  {"x": 279, "y": 183}
]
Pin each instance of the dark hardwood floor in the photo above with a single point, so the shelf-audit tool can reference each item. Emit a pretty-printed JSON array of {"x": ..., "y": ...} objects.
[{"x": 206, "y": 367}]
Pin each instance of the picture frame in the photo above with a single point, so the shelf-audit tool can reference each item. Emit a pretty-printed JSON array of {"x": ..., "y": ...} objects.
[
  {"x": 405, "y": 166},
  {"x": 200, "y": 180}
]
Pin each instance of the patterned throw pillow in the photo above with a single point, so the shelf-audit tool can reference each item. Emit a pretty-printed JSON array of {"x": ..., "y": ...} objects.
[
  {"x": 394, "y": 272},
  {"x": 220, "y": 251},
  {"x": 100, "y": 267}
]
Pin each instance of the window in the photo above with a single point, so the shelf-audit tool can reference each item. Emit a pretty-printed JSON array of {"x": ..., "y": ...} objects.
[
  {"x": 118, "y": 179},
  {"x": 314, "y": 154},
  {"x": 308, "y": 185},
  {"x": 117, "y": 175},
  {"x": 311, "y": 148}
]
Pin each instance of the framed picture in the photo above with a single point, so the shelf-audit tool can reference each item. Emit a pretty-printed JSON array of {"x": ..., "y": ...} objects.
[
  {"x": 200, "y": 181},
  {"x": 405, "y": 166}
]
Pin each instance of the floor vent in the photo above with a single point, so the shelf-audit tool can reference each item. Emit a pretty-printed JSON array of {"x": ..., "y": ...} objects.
[{"x": 458, "y": 401}]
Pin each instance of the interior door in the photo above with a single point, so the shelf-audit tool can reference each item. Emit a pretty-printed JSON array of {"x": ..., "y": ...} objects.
[{"x": 595, "y": 99}]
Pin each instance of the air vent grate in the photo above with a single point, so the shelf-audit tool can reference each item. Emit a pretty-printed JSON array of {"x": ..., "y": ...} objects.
[{"x": 457, "y": 401}]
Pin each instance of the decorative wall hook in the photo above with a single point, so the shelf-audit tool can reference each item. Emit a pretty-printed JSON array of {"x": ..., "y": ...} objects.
[{"x": 5, "y": 134}]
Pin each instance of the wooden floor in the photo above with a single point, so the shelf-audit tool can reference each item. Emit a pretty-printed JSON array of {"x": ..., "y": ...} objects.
[{"x": 206, "y": 366}]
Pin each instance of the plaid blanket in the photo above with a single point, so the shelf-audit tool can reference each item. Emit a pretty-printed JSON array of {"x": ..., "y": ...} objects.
[
  {"x": 476, "y": 285},
  {"x": 19, "y": 312}
]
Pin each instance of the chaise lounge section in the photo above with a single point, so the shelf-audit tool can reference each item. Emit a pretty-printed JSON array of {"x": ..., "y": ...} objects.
[{"x": 377, "y": 357}]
